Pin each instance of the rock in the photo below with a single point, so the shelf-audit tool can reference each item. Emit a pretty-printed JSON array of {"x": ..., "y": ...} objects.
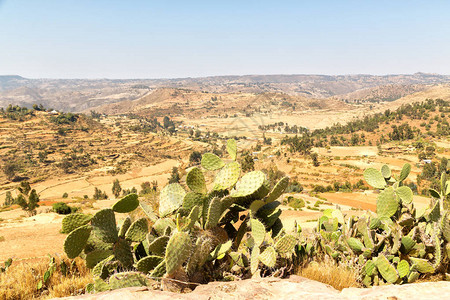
[{"x": 294, "y": 287}]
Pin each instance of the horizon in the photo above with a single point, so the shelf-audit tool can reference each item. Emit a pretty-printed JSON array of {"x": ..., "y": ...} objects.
[
  {"x": 226, "y": 75},
  {"x": 146, "y": 39}
]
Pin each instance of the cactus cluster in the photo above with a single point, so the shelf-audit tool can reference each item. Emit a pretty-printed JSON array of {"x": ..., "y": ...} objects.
[
  {"x": 198, "y": 234},
  {"x": 397, "y": 245}
]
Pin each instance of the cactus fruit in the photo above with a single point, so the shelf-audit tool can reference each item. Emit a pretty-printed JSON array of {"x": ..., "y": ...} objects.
[
  {"x": 177, "y": 251},
  {"x": 195, "y": 180},
  {"x": 104, "y": 225},
  {"x": 387, "y": 205},
  {"x": 170, "y": 199},
  {"x": 374, "y": 178},
  {"x": 148, "y": 263},
  {"x": 387, "y": 271},
  {"x": 76, "y": 240},
  {"x": 212, "y": 162},
  {"x": 268, "y": 257},
  {"x": 73, "y": 221},
  {"x": 227, "y": 176},
  {"x": 137, "y": 231},
  {"x": 127, "y": 204}
]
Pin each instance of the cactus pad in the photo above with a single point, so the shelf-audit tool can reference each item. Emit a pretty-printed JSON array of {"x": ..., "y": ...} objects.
[
  {"x": 403, "y": 268},
  {"x": 258, "y": 232},
  {"x": 178, "y": 250},
  {"x": 214, "y": 213},
  {"x": 386, "y": 171},
  {"x": 159, "y": 271},
  {"x": 73, "y": 221},
  {"x": 195, "y": 180},
  {"x": 406, "y": 169},
  {"x": 227, "y": 176},
  {"x": 355, "y": 244},
  {"x": 232, "y": 148},
  {"x": 268, "y": 257},
  {"x": 370, "y": 268},
  {"x": 200, "y": 255},
  {"x": 405, "y": 194},
  {"x": 387, "y": 271},
  {"x": 407, "y": 244},
  {"x": 127, "y": 279},
  {"x": 127, "y": 204},
  {"x": 387, "y": 205},
  {"x": 125, "y": 225},
  {"x": 122, "y": 252},
  {"x": 148, "y": 263},
  {"x": 192, "y": 199},
  {"x": 148, "y": 211},
  {"x": 374, "y": 178},
  {"x": 96, "y": 256},
  {"x": 212, "y": 162},
  {"x": 422, "y": 265},
  {"x": 137, "y": 231},
  {"x": 249, "y": 184},
  {"x": 221, "y": 250},
  {"x": 161, "y": 225},
  {"x": 445, "y": 226},
  {"x": 158, "y": 246},
  {"x": 278, "y": 190},
  {"x": 254, "y": 260},
  {"x": 170, "y": 199},
  {"x": 104, "y": 224},
  {"x": 286, "y": 244},
  {"x": 76, "y": 241}
]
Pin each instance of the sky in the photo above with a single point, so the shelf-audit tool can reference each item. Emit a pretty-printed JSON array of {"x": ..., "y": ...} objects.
[{"x": 172, "y": 39}]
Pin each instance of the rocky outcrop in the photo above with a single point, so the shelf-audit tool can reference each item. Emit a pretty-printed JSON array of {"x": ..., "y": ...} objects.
[{"x": 295, "y": 287}]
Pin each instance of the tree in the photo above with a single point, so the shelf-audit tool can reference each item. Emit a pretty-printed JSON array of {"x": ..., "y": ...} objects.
[
  {"x": 10, "y": 168},
  {"x": 9, "y": 200},
  {"x": 315, "y": 159},
  {"x": 116, "y": 189},
  {"x": 195, "y": 157},
  {"x": 247, "y": 163},
  {"x": 175, "y": 176},
  {"x": 99, "y": 195},
  {"x": 28, "y": 198}
]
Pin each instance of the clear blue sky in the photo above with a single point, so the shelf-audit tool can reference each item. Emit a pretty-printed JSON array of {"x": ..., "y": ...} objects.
[{"x": 163, "y": 38}]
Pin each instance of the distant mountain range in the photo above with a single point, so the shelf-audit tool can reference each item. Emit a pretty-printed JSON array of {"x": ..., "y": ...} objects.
[{"x": 83, "y": 94}]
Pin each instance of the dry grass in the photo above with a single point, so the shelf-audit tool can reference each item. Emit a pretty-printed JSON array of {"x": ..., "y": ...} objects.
[
  {"x": 339, "y": 277},
  {"x": 20, "y": 281}
]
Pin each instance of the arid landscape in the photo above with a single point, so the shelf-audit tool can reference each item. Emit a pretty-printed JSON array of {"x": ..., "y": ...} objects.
[
  {"x": 68, "y": 156},
  {"x": 224, "y": 150}
]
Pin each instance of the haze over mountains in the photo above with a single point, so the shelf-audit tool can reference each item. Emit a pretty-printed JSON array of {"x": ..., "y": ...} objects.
[{"x": 78, "y": 95}]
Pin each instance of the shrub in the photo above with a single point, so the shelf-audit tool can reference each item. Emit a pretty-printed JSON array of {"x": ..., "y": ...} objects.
[
  {"x": 63, "y": 209},
  {"x": 296, "y": 203},
  {"x": 65, "y": 195},
  {"x": 294, "y": 187}
]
